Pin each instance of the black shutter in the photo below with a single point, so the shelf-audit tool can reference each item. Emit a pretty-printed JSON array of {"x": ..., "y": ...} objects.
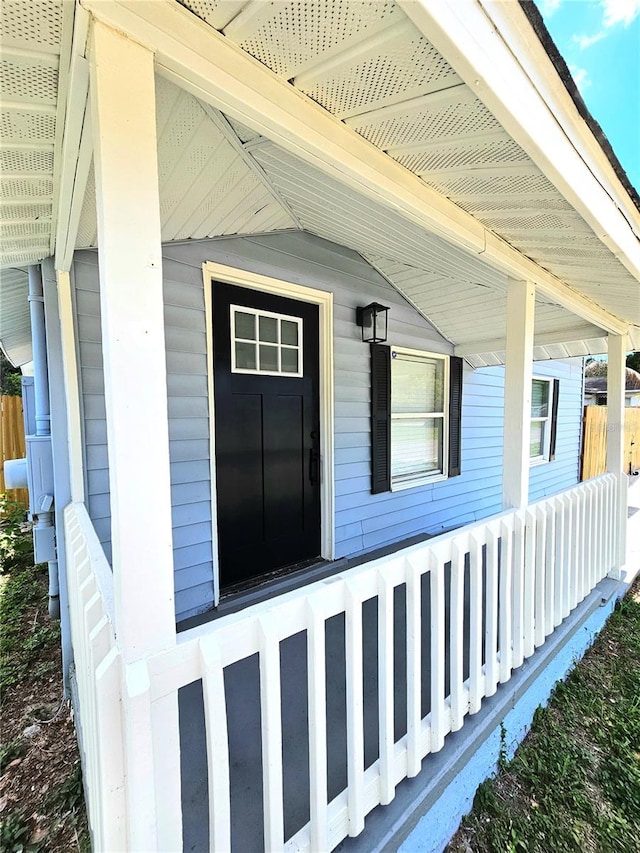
[
  {"x": 455, "y": 416},
  {"x": 380, "y": 418},
  {"x": 554, "y": 419}
]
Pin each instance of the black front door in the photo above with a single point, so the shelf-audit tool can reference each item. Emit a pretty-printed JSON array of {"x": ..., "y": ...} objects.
[{"x": 267, "y": 431}]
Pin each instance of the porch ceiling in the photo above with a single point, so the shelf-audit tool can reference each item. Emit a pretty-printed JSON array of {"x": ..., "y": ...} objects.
[{"x": 369, "y": 66}]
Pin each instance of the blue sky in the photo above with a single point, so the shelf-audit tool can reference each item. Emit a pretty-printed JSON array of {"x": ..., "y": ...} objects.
[{"x": 600, "y": 42}]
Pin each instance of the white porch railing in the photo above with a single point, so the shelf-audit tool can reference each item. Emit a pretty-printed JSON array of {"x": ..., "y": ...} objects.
[
  {"x": 525, "y": 571},
  {"x": 98, "y": 679}
]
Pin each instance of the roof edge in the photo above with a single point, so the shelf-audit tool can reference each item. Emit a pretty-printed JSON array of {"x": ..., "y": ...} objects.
[{"x": 536, "y": 20}]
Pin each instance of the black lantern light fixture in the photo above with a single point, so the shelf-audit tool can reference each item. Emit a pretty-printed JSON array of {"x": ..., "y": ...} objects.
[{"x": 373, "y": 321}]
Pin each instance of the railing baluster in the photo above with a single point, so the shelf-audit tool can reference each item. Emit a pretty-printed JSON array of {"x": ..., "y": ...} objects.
[
  {"x": 578, "y": 527},
  {"x": 436, "y": 565},
  {"x": 529, "y": 582},
  {"x": 215, "y": 712},
  {"x": 414, "y": 668},
  {"x": 541, "y": 560},
  {"x": 491, "y": 629},
  {"x": 550, "y": 566},
  {"x": 456, "y": 626},
  {"x": 317, "y": 687},
  {"x": 271, "y": 717},
  {"x": 518, "y": 589},
  {"x": 385, "y": 687},
  {"x": 559, "y": 561},
  {"x": 506, "y": 599},
  {"x": 568, "y": 557},
  {"x": 355, "y": 720},
  {"x": 476, "y": 686}
]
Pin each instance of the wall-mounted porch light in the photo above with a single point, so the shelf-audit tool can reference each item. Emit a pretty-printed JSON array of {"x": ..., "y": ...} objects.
[{"x": 373, "y": 321}]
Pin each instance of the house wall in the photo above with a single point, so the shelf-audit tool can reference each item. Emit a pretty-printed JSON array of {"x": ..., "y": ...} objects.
[{"x": 363, "y": 521}]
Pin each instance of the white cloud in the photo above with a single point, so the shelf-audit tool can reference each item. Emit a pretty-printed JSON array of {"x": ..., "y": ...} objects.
[
  {"x": 620, "y": 11},
  {"x": 580, "y": 77},
  {"x": 584, "y": 42},
  {"x": 548, "y": 7}
]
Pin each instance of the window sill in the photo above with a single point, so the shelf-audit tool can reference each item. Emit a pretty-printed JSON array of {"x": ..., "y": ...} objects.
[
  {"x": 422, "y": 481},
  {"x": 538, "y": 460}
]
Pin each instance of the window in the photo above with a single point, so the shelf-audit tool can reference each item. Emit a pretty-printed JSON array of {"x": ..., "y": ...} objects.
[
  {"x": 416, "y": 401},
  {"x": 265, "y": 343},
  {"x": 544, "y": 409},
  {"x": 418, "y": 412}
]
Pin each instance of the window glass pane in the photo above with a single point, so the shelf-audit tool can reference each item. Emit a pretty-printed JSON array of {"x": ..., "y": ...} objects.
[
  {"x": 537, "y": 438},
  {"x": 539, "y": 399},
  {"x": 268, "y": 329},
  {"x": 245, "y": 356},
  {"x": 289, "y": 332},
  {"x": 417, "y": 385},
  {"x": 289, "y": 360},
  {"x": 268, "y": 358},
  {"x": 245, "y": 325},
  {"x": 416, "y": 448}
]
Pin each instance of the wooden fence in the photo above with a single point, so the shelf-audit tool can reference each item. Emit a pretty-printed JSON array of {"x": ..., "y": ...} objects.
[
  {"x": 12, "y": 444},
  {"x": 594, "y": 441}
]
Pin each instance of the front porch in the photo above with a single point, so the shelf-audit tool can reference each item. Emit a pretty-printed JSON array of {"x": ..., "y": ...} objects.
[{"x": 286, "y": 724}]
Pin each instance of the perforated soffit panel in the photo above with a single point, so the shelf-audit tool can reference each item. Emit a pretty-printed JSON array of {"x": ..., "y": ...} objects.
[
  {"x": 368, "y": 65},
  {"x": 30, "y": 38}
]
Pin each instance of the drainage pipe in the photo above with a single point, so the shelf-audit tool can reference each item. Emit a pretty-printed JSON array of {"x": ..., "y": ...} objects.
[{"x": 42, "y": 517}]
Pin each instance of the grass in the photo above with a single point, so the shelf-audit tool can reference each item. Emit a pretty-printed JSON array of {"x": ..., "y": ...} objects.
[
  {"x": 574, "y": 783},
  {"x": 42, "y": 799}
]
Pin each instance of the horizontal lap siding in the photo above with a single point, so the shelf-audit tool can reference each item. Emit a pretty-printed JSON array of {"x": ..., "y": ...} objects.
[
  {"x": 188, "y": 411},
  {"x": 363, "y": 521},
  {"x": 89, "y": 336}
]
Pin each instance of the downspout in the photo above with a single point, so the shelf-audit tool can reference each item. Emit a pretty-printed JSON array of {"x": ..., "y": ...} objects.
[{"x": 42, "y": 514}]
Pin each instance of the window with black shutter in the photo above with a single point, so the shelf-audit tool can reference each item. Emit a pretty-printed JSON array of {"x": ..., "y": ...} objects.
[{"x": 416, "y": 407}]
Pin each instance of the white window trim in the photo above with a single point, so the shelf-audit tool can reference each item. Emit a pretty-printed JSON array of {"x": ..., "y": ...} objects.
[
  {"x": 444, "y": 474},
  {"x": 324, "y": 300},
  {"x": 546, "y": 450}
]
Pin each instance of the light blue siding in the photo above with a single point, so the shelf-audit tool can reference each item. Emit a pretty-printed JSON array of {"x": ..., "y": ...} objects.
[{"x": 362, "y": 521}]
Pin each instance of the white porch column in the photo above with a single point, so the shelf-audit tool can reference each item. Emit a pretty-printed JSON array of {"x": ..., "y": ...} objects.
[
  {"x": 71, "y": 385},
  {"x": 517, "y": 393},
  {"x": 124, "y": 127},
  {"x": 617, "y": 346}
]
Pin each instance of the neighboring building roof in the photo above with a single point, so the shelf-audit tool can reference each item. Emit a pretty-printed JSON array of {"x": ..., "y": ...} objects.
[{"x": 598, "y": 384}]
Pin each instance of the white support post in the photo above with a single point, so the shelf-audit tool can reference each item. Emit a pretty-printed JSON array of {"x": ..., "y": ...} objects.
[
  {"x": 616, "y": 380},
  {"x": 517, "y": 393},
  {"x": 122, "y": 95},
  {"x": 72, "y": 387}
]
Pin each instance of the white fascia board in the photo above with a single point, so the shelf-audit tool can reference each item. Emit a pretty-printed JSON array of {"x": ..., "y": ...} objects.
[
  {"x": 74, "y": 168},
  {"x": 197, "y": 58},
  {"x": 493, "y": 47}
]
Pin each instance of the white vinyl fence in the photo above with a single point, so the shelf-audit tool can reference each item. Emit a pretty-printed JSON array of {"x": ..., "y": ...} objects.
[{"x": 500, "y": 586}]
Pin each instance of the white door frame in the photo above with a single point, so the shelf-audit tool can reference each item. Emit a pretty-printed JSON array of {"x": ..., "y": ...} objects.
[{"x": 324, "y": 300}]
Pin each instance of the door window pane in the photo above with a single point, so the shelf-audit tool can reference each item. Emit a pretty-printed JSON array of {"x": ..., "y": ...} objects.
[
  {"x": 268, "y": 329},
  {"x": 289, "y": 360},
  {"x": 268, "y": 358},
  {"x": 245, "y": 326},
  {"x": 289, "y": 332},
  {"x": 245, "y": 356}
]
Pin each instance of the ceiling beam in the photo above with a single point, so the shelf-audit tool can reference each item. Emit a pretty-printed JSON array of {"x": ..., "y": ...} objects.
[
  {"x": 576, "y": 334},
  {"x": 195, "y": 56}
]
